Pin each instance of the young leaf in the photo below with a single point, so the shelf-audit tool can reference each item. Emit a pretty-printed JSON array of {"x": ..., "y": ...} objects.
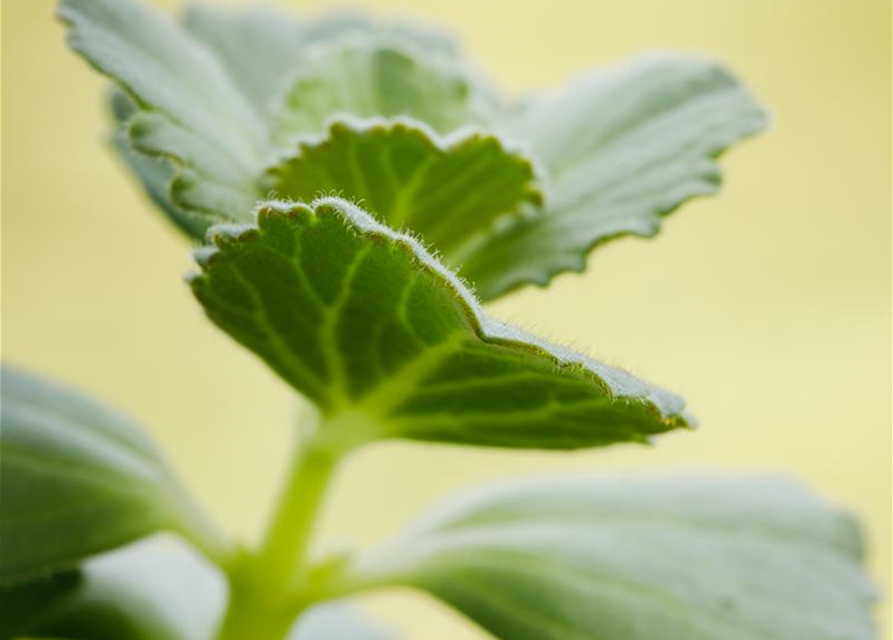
[
  {"x": 154, "y": 590},
  {"x": 623, "y": 148},
  {"x": 189, "y": 110},
  {"x": 262, "y": 47},
  {"x": 371, "y": 77},
  {"x": 78, "y": 480},
  {"x": 388, "y": 343},
  {"x": 448, "y": 190},
  {"x": 257, "y": 46},
  {"x": 685, "y": 558}
]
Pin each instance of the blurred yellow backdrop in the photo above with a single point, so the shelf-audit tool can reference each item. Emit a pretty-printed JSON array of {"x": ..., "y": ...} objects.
[{"x": 769, "y": 308}]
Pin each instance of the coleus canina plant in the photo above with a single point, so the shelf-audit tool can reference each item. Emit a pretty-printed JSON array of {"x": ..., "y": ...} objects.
[{"x": 355, "y": 189}]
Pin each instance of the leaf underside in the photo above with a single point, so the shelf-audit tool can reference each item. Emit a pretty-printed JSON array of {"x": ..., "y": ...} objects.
[
  {"x": 449, "y": 191},
  {"x": 78, "y": 480},
  {"x": 676, "y": 558},
  {"x": 366, "y": 323}
]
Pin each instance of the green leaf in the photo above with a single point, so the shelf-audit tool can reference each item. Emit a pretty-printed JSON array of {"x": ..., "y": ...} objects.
[
  {"x": 189, "y": 110},
  {"x": 78, "y": 479},
  {"x": 153, "y": 590},
  {"x": 217, "y": 98},
  {"x": 154, "y": 174},
  {"x": 622, "y": 148},
  {"x": 262, "y": 48},
  {"x": 677, "y": 558},
  {"x": 448, "y": 190},
  {"x": 371, "y": 77},
  {"x": 22, "y": 606},
  {"x": 388, "y": 343}
]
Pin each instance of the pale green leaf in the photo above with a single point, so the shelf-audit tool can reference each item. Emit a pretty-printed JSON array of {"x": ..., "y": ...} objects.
[
  {"x": 372, "y": 77},
  {"x": 78, "y": 479},
  {"x": 262, "y": 47},
  {"x": 155, "y": 174},
  {"x": 189, "y": 110},
  {"x": 154, "y": 590},
  {"x": 622, "y": 148},
  {"x": 388, "y": 343},
  {"x": 449, "y": 190},
  {"x": 675, "y": 558},
  {"x": 259, "y": 46}
]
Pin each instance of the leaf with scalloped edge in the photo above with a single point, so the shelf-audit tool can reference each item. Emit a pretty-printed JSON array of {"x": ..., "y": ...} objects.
[
  {"x": 154, "y": 174},
  {"x": 78, "y": 480},
  {"x": 373, "y": 77},
  {"x": 448, "y": 190},
  {"x": 622, "y": 148},
  {"x": 154, "y": 590},
  {"x": 388, "y": 343},
  {"x": 189, "y": 112},
  {"x": 669, "y": 558}
]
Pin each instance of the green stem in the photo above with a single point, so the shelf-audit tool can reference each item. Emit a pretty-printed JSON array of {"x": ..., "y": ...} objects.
[
  {"x": 281, "y": 559},
  {"x": 263, "y": 584}
]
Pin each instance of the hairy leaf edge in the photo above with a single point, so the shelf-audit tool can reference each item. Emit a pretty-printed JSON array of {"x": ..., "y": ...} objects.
[
  {"x": 532, "y": 202},
  {"x": 668, "y": 408}
]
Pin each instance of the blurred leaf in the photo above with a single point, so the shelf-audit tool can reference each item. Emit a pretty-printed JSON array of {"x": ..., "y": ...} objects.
[
  {"x": 23, "y": 605},
  {"x": 153, "y": 590},
  {"x": 154, "y": 174},
  {"x": 262, "y": 47},
  {"x": 337, "y": 621},
  {"x": 78, "y": 479},
  {"x": 189, "y": 111},
  {"x": 365, "y": 77},
  {"x": 447, "y": 190},
  {"x": 678, "y": 558},
  {"x": 388, "y": 343},
  {"x": 622, "y": 147}
]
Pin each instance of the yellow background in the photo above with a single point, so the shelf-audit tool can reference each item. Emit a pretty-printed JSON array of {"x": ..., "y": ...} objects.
[{"x": 769, "y": 308}]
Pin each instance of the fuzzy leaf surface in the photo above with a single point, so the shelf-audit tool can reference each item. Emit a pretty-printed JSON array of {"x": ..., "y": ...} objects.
[
  {"x": 622, "y": 148},
  {"x": 448, "y": 190},
  {"x": 388, "y": 343},
  {"x": 369, "y": 78},
  {"x": 78, "y": 479},
  {"x": 676, "y": 558},
  {"x": 154, "y": 590}
]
